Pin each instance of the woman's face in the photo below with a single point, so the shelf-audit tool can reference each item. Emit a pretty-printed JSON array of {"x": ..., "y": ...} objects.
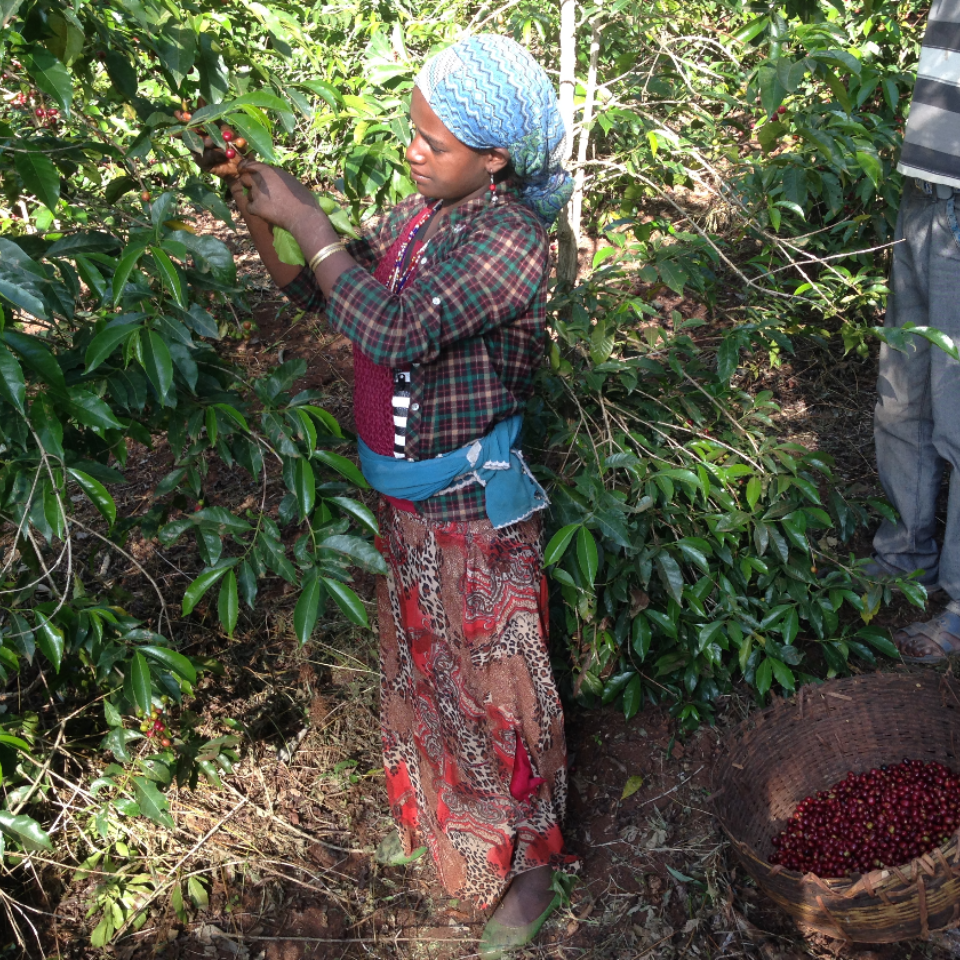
[{"x": 442, "y": 167}]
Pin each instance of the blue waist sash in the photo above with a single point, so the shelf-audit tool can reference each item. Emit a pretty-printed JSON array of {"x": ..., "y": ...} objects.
[{"x": 511, "y": 493}]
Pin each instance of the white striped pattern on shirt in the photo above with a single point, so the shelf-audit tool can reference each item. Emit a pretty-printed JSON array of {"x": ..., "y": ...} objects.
[{"x": 401, "y": 409}]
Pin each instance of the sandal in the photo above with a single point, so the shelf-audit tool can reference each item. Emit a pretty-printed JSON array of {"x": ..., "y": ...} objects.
[
  {"x": 930, "y": 642},
  {"x": 390, "y": 852},
  {"x": 498, "y": 939}
]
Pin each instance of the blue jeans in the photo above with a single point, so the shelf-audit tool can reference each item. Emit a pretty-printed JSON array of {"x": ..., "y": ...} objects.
[{"x": 917, "y": 417}]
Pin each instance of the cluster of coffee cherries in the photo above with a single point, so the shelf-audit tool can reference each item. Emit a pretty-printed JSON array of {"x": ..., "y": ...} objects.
[
  {"x": 48, "y": 116},
  {"x": 153, "y": 726},
  {"x": 232, "y": 141},
  {"x": 882, "y": 818}
]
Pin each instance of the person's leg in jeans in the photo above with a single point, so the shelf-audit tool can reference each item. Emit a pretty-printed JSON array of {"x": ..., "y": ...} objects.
[
  {"x": 909, "y": 466},
  {"x": 917, "y": 420}
]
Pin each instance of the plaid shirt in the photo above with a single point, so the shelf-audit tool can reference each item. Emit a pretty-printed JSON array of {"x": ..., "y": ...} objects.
[{"x": 470, "y": 325}]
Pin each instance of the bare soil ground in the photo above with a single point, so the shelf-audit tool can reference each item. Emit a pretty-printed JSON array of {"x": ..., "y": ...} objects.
[{"x": 284, "y": 850}]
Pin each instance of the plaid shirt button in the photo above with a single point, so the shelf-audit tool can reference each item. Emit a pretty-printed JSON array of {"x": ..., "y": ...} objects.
[{"x": 436, "y": 301}]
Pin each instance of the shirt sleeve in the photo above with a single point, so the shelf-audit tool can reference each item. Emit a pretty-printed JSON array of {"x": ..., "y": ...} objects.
[
  {"x": 489, "y": 279},
  {"x": 304, "y": 292}
]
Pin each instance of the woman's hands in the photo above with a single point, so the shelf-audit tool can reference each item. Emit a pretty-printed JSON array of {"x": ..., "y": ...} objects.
[
  {"x": 277, "y": 197},
  {"x": 261, "y": 190},
  {"x": 214, "y": 160},
  {"x": 268, "y": 197}
]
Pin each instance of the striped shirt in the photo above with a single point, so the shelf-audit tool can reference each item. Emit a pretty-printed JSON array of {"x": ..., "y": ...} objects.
[{"x": 931, "y": 144}]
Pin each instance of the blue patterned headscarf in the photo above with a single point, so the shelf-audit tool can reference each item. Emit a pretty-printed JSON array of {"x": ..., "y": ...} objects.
[{"x": 489, "y": 92}]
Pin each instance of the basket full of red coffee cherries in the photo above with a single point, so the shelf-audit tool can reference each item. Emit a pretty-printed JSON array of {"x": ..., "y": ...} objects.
[{"x": 843, "y": 804}]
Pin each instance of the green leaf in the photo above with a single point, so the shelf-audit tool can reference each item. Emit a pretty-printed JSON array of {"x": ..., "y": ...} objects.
[
  {"x": 938, "y": 338},
  {"x": 360, "y": 551},
  {"x": 26, "y": 830},
  {"x": 37, "y": 357},
  {"x": 671, "y": 575},
  {"x": 754, "y": 488},
  {"x": 632, "y": 785},
  {"x": 122, "y": 74},
  {"x": 177, "y": 47},
  {"x": 214, "y": 77},
  {"x": 202, "y": 584},
  {"x": 49, "y": 639},
  {"x": 221, "y": 520},
  {"x": 140, "y": 686},
  {"x": 50, "y": 76},
  {"x": 880, "y": 640},
  {"x": 39, "y": 176},
  {"x": 673, "y": 275},
  {"x": 15, "y": 742},
  {"x": 358, "y": 511},
  {"x": 169, "y": 275},
  {"x": 559, "y": 542},
  {"x": 116, "y": 742},
  {"x": 157, "y": 363},
  {"x": 13, "y": 388},
  {"x": 98, "y": 494},
  {"x": 632, "y": 702},
  {"x": 308, "y": 608},
  {"x": 257, "y": 135},
  {"x": 153, "y": 804},
  {"x": 764, "y": 677},
  {"x": 176, "y": 662},
  {"x": 23, "y": 298},
  {"x": 728, "y": 356},
  {"x": 304, "y": 485},
  {"x": 176, "y": 901},
  {"x": 286, "y": 248},
  {"x": 324, "y": 90},
  {"x": 233, "y": 414},
  {"x": 127, "y": 262},
  {"x": 210, "y": 254},
  {"x": 91, "y": 410},
  {"x": 870, "y": 165},
  {"x": 343, "y": 466},
  {"x": 247, "y": 581},
  {"x": 587, "y": 555},
  {"x": 752, "y": 29},
  {"x": 105, "y": 342},
  {"x": 228, "y": 604},
  {"x": 198, "y": 893},
  {"x": 259, "y": 98},
  {"x": 783, "y": 674},
  {"x": 347, "y": 601}
]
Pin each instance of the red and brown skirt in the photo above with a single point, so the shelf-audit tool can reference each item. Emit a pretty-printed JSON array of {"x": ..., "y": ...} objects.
[{"x": 471, "y": 721}]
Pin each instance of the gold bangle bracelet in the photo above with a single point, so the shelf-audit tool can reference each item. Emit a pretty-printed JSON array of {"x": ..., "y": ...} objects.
[{"x": 324, "y": 252}]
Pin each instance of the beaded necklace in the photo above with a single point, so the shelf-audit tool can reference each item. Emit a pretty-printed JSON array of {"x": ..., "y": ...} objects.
[{"x": 402, "y": 273}]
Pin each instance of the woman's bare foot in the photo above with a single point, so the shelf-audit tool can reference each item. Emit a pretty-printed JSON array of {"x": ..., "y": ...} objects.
[{"x": 528, "y": 895}]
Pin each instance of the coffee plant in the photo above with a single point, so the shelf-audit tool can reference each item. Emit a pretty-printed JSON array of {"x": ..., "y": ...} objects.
[{"x": 721, "y": 146}]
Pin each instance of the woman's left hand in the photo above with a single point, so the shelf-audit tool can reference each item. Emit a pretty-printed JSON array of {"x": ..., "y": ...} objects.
[{"x": 276, "y": 196}]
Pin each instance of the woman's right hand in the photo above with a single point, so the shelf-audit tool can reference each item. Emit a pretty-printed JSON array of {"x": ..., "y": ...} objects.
[
  {"x": 214, "y": 160},
  {"x": 278, "y": 197}
]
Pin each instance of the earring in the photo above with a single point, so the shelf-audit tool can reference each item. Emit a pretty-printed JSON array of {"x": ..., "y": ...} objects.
[{"x": 493, "y": 190}]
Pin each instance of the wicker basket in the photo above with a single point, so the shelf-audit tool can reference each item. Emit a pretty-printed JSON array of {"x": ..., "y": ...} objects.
[{"x": 796, "y": 747}]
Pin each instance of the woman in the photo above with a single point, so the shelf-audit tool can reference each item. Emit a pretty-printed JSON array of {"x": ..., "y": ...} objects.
[{"x": 445, "y": 307}]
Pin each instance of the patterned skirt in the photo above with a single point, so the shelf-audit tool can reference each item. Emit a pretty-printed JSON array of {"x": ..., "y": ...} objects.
[{"x": 471, "y": 721}]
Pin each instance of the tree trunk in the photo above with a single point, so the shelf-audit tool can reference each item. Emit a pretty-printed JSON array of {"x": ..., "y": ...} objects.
[
  {"x": 566, "y": 239},
  {"x": 575, "y": 208}
]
